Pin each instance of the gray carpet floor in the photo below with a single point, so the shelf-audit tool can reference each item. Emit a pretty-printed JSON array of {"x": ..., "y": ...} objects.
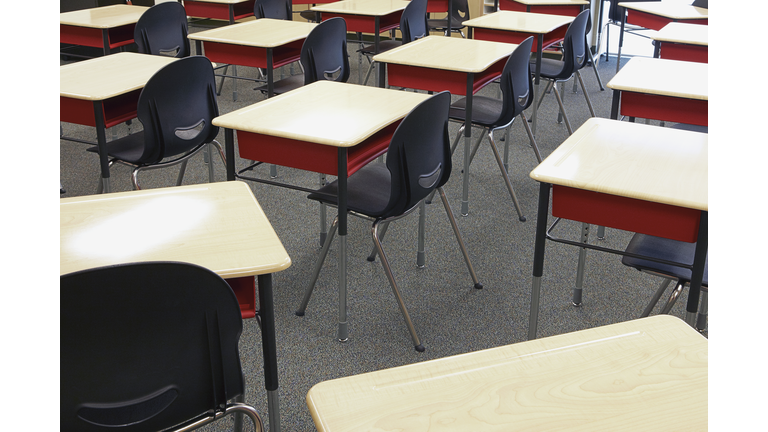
[{"x": 450, "y": 316}]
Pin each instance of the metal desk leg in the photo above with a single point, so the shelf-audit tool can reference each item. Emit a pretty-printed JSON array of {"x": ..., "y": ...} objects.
[
  {"x": 229, "y": 149},
  {"x": 580, "y": 268},
  {"x": 467, "y": 145},
  {"x": 343, "y": 333},
  {"x": 269, "y": 345},
  {"x": 537, "y": 81},
  {"x": 623, "y": 13},
  {"x": 538, "y": 257},
  {"x": 697, "y": 273},
  {"x": 101, "y": 138}
]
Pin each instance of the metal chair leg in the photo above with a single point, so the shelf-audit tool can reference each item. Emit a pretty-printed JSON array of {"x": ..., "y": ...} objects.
[
  {"x": 401, "y": 304},
  {"x": 318, "y": 267},
  {"x": 673, "y": 297},
  {"x": 372, "y": 255},
  {"x": 656, "y": 296},
  {"x": 586, "y": 95},
  {"x": 531, "y": 138},
  {"x": 457, "y": 233},
  {"x": 562, "y": 110},
  {"x": 506, "y": 178}
]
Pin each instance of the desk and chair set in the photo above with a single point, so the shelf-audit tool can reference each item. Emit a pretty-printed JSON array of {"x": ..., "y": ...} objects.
[{"x": 193, "y": 294}]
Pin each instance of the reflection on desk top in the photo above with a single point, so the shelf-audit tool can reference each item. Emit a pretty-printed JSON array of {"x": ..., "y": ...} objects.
[
  {"x": 451, "y": 54},
  {"x": 104, "y": 77},
  {"x": 219, "y": 226},
  {"x": 669, "y": 9},
  {"x": 551, "y": 2},
  {"x": 264, "y": 32},
  {"x": 646, "y": 374},
  {"x": 694, "y": 34},
  {"x": 632, "y": 160},
  {"x": 363, "y": 7},
  {"x": 103, "y": 17},
  {"x": 324, "y": 112},
  {"x": 663, "y": 77},
  {"x": 520, "y": 21}
]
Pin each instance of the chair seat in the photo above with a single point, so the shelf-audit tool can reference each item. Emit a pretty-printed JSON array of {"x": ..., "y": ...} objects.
[
  {"x": 666, "y": 249},
  {"x": 128, "y": 149},
  {"x": 286, "y": 84},
  {"x": 368, "y": 190},
  {"x": 384, "y": 45},
  {"x": 550, "y": 68},
  {"x": 485, "y": 110}
]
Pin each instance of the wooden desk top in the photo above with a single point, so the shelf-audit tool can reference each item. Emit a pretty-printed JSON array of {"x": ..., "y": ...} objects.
[
  {"x": 104, "y": 77},
  {"x": 693, "y": 34},
  {"x": 362, "y": 7},
  {"x": 324, "y": 112},
  {"x": 451, "y": 54},
  {"x": 219, "y": 226},
  {"x": 103, "y": 17},
  {"x": 551, "y": 2},
  {"x": 669, "y": 9},
  {"x": 632, "y": 160},
  {"x": 663, "y": 77},
  {"x": 647, "y": 374},
  {"x": 527, "y": 22},
  {"x": 264, "y": 33}
]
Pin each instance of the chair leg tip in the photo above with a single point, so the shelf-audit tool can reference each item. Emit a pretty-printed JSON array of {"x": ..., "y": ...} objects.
[
  {"x": 371, "y": 259},
  {"x": 420, "y": 348},
  {"x": 522, "y": 219},
  {"x": 576, "y": 304},
  {"x": 478, "y": 286},
  {"x": 299, "y": 313}
]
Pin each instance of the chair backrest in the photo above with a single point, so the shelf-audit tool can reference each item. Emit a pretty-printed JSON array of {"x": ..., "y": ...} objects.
[
  {"x": 516, "y": 83},
  {"x": 276, "y": 9},
  {"x": 146, "y": 346},
  {"x": 413, "y": 21},
  {"x": 324, "y": 52},
  {"x": 419, "y": 154},
  {"x": 459, "y": 12},
  {"x": 176, "y": 108},
  {"x": 575, "y": 45},
  {"x": 162, "y": 30}
]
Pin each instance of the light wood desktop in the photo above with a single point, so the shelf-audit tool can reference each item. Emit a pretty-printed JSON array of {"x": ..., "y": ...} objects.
[
  {"x": 514, "y": 27},
  {"x": 680, "y": 41},
  {"x": 642, "y": 375},
  {"x": 654, "y": 15},
  {"x": 659, "y": 89},
  {"x": 227, "y": 10},
  {"x": 103, "y": 92},
  {"x": 628, "y": 176},
  {"x": 435, "y": 63},
  {"x": 264, "y": 43},
  {"x": 553, "y": 7},
  {"x": 326, "y": 127},
  {"x": 219, "y": 226},
  {"x": 105, "y": 27}
]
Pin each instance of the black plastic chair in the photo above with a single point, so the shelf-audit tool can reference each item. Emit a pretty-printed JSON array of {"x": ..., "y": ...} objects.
[
  {"x": 323, "y": 56},
  {"x": 575, "y": 53},
  {"x": 413, "y": 25},
  {"x": 673, "y": 251},
  {"x": 149, "y": 346},
  {"x": 176, "y": 108},
  {"x": 459, "y": 14},
  {"x": 162, "y": 30},
  {"x": 615, "y": 18},
  {"x": 275, "y": 9},
  {"x": 493, "y": 114},
  {"x": 418, "y": 162}
]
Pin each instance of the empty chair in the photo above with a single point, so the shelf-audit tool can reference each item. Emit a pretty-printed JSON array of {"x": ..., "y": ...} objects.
[
  {"x": 413, "y": 25},
  {"x": 275, "y": 9},
  {"x": 149, "y": 346},
  {"x": 323, "y": 56},
  {"x": 459, "y": 13},
  {"x": 176, "y": 108},
  {"x": 615, "y": 16},
  {"x": 494, "y": 114},
  {"x": 162, "y": 30},
  {"x": 574, "y": 58},
  {"x": 418, "y": 162},
  {"x": 673, "y": 251}
]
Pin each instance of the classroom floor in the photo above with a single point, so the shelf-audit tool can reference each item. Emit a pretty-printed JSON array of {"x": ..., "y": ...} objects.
[{"x": 450, "y": 316}]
